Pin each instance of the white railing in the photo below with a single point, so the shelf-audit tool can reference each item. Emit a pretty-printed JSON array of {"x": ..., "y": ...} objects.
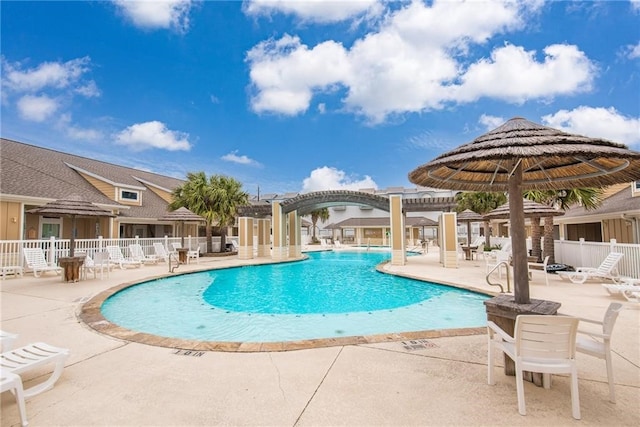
[
  {"x": 591, "y": 254},
  {"x": 11, "y": 250}
]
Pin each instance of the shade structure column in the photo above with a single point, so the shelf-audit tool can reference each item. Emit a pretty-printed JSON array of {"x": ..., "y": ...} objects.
[
  {"x": 245, "y": 237},
  {"x": 264, "y": 237},
  {"x": 279, "y": 227},
  {"x": 449, "y": 240},
  {"x": 295, "y": 241},
  {"x": 398, "y": 253}
]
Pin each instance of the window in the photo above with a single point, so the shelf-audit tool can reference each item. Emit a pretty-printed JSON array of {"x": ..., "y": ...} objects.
[
  {"x": 129, "y": 195},
  {"x": 50, "y": 227}
]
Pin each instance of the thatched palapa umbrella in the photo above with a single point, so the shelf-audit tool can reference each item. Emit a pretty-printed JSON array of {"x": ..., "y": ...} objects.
[
  {"x": 182, "y": 215},
  {"x": 469, "y": 216},
  {"x": 522, "y": 155},
  {"x": 74, "y": 206}
]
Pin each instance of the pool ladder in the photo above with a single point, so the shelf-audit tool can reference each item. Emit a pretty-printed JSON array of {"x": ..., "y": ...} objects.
[
  {"x": 495, "y": 267},
  {"x": 171, "y": 269}
]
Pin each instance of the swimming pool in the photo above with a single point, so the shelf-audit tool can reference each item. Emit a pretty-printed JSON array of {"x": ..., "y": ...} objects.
[{"x": 331, "y": 294}]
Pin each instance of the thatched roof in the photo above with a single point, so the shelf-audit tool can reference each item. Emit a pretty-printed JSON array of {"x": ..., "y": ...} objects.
[
  {"x": 73, "y": 205},
  {"x": 181, "y": 214},
  {"x": 531, "y": 209},
  {"x": 551, "y": 159},
  {"x": 468, "y": 215}
]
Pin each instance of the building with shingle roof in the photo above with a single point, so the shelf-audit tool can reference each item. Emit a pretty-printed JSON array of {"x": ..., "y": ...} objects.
[{"x": 32, "y": 176}]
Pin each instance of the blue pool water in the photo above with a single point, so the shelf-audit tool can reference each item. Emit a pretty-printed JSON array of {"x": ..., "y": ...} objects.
[{"x": 329, "y": 295}]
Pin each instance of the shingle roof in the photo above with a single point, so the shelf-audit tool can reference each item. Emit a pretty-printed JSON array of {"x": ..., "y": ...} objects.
[
  {"x": 31, "y": 171},
  {"x": 620, "y": 202}
]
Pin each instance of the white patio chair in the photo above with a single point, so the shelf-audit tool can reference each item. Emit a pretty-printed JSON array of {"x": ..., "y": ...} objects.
[
  {"x": 33, "y": 356},
  {"x": 598, "y": 344},
  {"x": 116, "y": 256},
  {"x": 545, "y": 344},
  {"x": 629, "y": 289},
  {"x": 606, "y": 270},
  {"x": 13, "y": 383},
  {"x": 100, "y": 262},
  {"x": 35, "y": 260},
  {"x": 137, "y": 253},
  {"x": 193, "y": 255},
  {"x": 543, "y": 265}
]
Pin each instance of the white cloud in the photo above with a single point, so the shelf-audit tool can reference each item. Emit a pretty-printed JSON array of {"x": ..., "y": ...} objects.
[
  {"x": 515, "y": 75},
  {"x": 243, "y": 160},
  {"x": 75, "y": 132},
  {"x": 57, "y": 75},
  {"x": 154, "y": 14},
  {"x": 284, "y": 73},
  {"x": 154, "y": 134},
  {"x": 36, "y": 108},
  {"x": 491, "y": 122},
  {"x": 635, "y": 5},
  {"x": 89, "y": 90},
  {"x": 329, "y": 178},
  {"x": 633, "y": 51},
  {"x": 314, "y": 10},
  {"x": 600, "y": 122},
  {"x": 417, "y": 60}
]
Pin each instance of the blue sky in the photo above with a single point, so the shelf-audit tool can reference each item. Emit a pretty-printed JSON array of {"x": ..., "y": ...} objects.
[{"x": 297, "y": 96}]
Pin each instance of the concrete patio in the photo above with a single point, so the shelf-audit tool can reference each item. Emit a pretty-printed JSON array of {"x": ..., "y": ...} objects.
[{"x": 108, "y": 381}]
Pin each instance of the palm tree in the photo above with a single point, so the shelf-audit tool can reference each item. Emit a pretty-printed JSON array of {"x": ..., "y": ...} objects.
[
  {"x": 226, "y": 197},
  {"x": 216, "y": 199},
  {"x": 318, "y": 214},
  {"x": 480, "y": 202},
  {"x": 589, "y": 198},
  {"x": 536, "y": 232}
]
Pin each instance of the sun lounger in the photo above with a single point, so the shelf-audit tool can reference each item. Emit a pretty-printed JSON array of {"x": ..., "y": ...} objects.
[
  {"x": 161, "y": 252},
  {"x": 33, "y": 356},
  {"x": 606, "y": 270},
  {"x": 137, "y": 254},
  {"x": 36, "y": 262},
  {"x": 629, "y": 289},
  {"x": 115, "y": 255}
]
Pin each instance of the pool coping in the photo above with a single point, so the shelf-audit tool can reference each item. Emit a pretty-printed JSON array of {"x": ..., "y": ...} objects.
[{"x": 91, "y": 315}]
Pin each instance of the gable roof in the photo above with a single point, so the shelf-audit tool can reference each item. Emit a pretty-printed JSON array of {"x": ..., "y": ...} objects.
[{"x": 34, "y": 172}]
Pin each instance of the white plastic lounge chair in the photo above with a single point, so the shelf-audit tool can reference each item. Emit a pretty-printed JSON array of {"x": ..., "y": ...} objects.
[
  {"x": 607, "y": 270},
  {"x": 13, "y": 383},
  {"x": 161, "y": 252},
  {"x": 545, "y": 344},
  {"x": 176, "y": 246},
  {"x": 34, "y": 257},
  {"x": 137, "y": 253},
  {"x": 116, "y": 256},
  {"x": 6, "y": 341},
  {"x": 543, "y": 265},
  {"x": 598, "y": 344},
  {"x": 32, "y": 356},
  {"x": 629, "y": 289}
]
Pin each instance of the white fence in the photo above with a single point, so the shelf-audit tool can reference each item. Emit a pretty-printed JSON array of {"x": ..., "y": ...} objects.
[
  {"x": 591, "y": 254},
  {"x": 11, "y": 250}
]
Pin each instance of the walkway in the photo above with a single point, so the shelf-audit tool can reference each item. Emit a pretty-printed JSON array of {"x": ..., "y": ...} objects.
[{"x": 439, "y": 381}]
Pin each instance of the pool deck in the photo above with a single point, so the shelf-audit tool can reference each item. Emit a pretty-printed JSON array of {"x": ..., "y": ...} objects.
[{"x": 440, "y": 380}]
